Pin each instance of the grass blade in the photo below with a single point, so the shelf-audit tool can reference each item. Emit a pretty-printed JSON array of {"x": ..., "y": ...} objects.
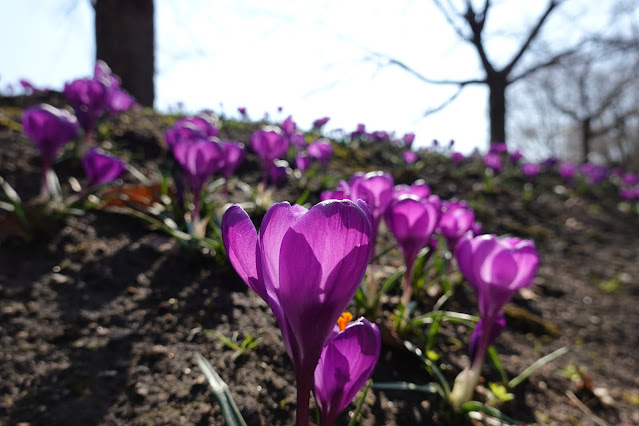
[
  {"x": 222, "y": 393},
  {"x": 537, "y": 365}
]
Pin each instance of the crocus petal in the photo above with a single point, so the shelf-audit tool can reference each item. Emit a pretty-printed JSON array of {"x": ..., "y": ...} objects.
[
  {"x": 333, "y": 244},
  {"x": 347, "y": 361},
  {"x": 240, "y": 241}
]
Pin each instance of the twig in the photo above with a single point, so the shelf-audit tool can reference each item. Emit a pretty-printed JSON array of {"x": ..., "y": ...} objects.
[{"x": 573, "y": 398}]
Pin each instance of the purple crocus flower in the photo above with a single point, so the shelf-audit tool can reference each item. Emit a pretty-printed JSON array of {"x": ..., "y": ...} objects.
[
  {"x": 199, "y": 160},
  {"x": 101, "y": 168},
  {"x": 530, "y": 170},
  {"x": 358, "y": 132},
  {"x": 376, "y": 188},
  {"x": 567, "y": 171},
  {"x": 493, "y": 161},
  {"x": 242, "y": 112},
  {"x": 88, "y": 99},
  {"x": 118, "y": 100},
  {"x": 515, "y": 157},
  {"x": 278, "y": 172},
  {"x": 498, "y": 148},
  {"x": 307, "y": 265},
  {"x": 379, "y": 136},
  {"x": 419, "y": 189},
  {"x": 50, "y": 129},
  {"x": 595, "y": 174},
  {"x": 269, "y": 146},
  {"x": 317, "y": 124},
  {"x": 630, "y": 193},
  {"x": 410, "y": 156},
  {"x": 342, "y": 192},
  {"x": 298, "y": 141},
  {"x": 412, "y": 222},
  {"x": 347, "y": 362},
  {"x": 190, "y": 129},
  {"x": 457, "y": 157},
  {"x": 320, "y": 150},
  {"x": 457, "y": 219},
  {"x": 234, "y": 153},
  {"x": 408, "y": 140},
  {"x": 496, "y": 269},
  {"x": 630, "y": 179},
  {"x": 288, "y": 127},
  {"x": 302, "y": 162}
]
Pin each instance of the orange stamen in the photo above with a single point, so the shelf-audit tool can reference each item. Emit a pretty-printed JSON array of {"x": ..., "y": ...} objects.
[{"x": 343, "y": 320}]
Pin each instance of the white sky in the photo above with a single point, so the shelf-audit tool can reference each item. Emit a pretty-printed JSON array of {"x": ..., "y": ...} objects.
[{"x": 308, "y": 57}]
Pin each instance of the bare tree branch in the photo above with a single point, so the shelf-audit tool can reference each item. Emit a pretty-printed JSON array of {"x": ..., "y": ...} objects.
[
  {"x": 450, "y": 19},
  {"x": 555, "y": 60},
  {"x": 462, "y": 83},
  {"x": 444, "y": 104},
  {"x": 533, "y": 34}
]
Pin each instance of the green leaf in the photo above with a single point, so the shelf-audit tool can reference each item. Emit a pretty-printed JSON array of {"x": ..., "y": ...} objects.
[
  {"x": 537, "y": 365},
  {"x": 222, "y": 393},
  {"x": 476, "y": 406}
]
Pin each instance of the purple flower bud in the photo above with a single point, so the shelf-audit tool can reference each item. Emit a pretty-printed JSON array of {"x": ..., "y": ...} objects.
[
  {"x": 457, "y": 219},
  {"x": 376, "y": 188},
  {"x": 410, "y": 157},
  {"x": 549, "y": 163},
  {"x": 457, "y": 157},
  {"x": 242, "y": 111},
  {"x": 498, "y": 148},
  {"x": 530, "y": 170},
  {"x": 279, "y": 172},
  {"x": 567, "y": 171},
  {"x": 320, "y": 150},
  {"x": 595, "y": 174},
  {"x": 493, "y": 161},
  {"x": 307, "y": 265},
  {"x": 320, "y": 122},
  {"x": 102, "y": 73},
  {"x": 412, "y": 222},
  {"x": 359, "y": 132},
  {"x": 302, "y": 162},
  {"x": 88, "y": 99},
  {"x": 190, "y": 129},
  {"x": 419, "y": 189},
  {"x": 630, "y": 179},
  {"x": 408, "y": 139},
  {"x": 347, "y": 362},
  {"x": 50, "y": 129},
  {"x": 515, "y": 157},
  {"x": 234, "y": 153},
  {"x": 199, "y": 160},
  {"x": 496, "y": 269},
  {"x": 118, "y": 100},
  {"x": 269, "y": 146},
  {"x": 288, "y": 127},
  {"x": 101, "y": 168}
]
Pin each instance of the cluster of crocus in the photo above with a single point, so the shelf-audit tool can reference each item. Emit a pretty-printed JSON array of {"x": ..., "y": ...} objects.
[
  {"x": 307, "y": 265},
  {"x": 496, "y": 269},
  {"x": 101, "y": 168},
  {"x": 50, "y": 129},
  {"x": 270, "y": 145},
  {"x": 91, "y": 97},
  {"x": 200, "y": 154}
]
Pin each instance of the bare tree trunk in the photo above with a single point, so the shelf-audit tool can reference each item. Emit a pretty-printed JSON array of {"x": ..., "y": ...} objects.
[
  {"x": 586, "y": 132},
  {"x": 497, "y": 108},
  {"x": 124, "y": 38}
]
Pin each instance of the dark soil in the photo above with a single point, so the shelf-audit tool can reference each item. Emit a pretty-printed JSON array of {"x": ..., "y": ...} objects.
[{"x": 100, "y": 314}]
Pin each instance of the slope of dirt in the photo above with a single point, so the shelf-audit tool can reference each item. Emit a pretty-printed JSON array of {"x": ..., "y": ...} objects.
[{"x": 101, "y": 314}]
